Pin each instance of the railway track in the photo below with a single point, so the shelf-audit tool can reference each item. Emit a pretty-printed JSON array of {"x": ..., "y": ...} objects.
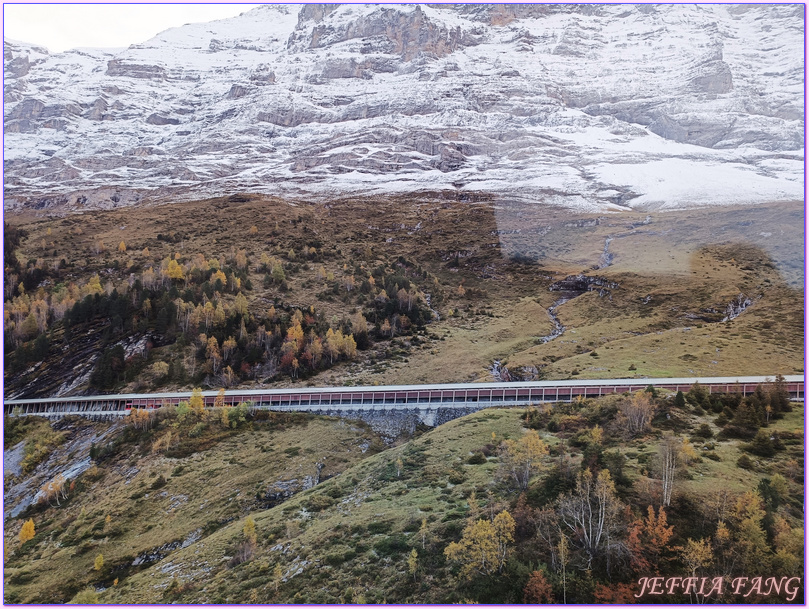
[{"x": 419, "y": 398}]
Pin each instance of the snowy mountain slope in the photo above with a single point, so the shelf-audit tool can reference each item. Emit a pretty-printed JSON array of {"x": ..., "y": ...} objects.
[{"x": 583, "y": 106}]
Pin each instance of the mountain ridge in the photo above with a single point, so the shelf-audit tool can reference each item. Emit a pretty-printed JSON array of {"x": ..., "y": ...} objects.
[{"x": 596, "y": 109}]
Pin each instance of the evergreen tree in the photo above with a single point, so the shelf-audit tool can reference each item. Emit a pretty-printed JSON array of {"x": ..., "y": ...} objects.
[
  {"x": 778, "y": 397},
  {"x": 762, "y": 444},
  {"x": 747, "y": 415}
]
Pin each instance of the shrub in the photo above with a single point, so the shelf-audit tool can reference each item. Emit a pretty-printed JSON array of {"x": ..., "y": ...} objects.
[
  {"x": 744, "y": 462},
  {"x": 394, "y": 544},
  {"x": 456, "y": 477},
  {"x": 85, "y": 597},
  {"x": 761, "y": 445},
  {"x": 93, "y": 474},
  {"x": 476, "y": 459},
  {"x": 335, "y": 492},
  {"x": 39, "y": 446},
  {"x": 704, "y": 431},
  {"x": 316, "y": 503},
  {"x": 339, "y": 557},
  {"x": 197, "y": 430},
  {"x": 244, "y": 552},
  {"x": 376, "y": 528}
]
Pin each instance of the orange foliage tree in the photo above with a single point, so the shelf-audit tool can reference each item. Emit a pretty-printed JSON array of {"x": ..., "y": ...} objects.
[
  {"x": 648, "y": 541},
  {"x": 537, "y": 591}
]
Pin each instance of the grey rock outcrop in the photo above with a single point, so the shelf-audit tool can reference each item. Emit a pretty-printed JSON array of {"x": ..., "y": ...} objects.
[
  {"x": 574, "y": 105},
  {"x": 156, "y": 119},
  {"x": 118, "y": 67}
]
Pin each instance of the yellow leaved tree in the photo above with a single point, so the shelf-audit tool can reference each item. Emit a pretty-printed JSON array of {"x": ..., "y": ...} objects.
[
  {"x": 522, "y": 459},
  {"x": 484, "y": 546},
  {"x": 197, "y": 403},
  {"x": 27, "y": 532}
]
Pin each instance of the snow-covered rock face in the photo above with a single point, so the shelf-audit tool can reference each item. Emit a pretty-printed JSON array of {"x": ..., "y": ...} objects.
[{"x": 591, "y": 107}]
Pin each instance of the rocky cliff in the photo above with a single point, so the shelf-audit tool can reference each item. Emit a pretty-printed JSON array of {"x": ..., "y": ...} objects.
[{"x": 593, "y": 107}]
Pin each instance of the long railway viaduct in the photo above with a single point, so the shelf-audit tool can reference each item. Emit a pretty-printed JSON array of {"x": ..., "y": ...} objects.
[{"x": 389, "y": 408}]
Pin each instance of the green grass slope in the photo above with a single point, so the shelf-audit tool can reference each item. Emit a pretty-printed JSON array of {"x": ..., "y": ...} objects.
[
  {"x": 136, "y": 506},
  {"x": 349, "y": 539}
]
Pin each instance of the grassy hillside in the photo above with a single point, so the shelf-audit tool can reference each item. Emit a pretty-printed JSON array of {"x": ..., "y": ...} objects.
[
  {"x": 139, "y": 501},
  {"x": 245, "y": 289},
  {"x": 737, "y": 486}
]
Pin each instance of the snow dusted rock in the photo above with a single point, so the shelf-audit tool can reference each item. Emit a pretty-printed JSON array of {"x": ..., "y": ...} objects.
[{"x": 590, "y": 106}]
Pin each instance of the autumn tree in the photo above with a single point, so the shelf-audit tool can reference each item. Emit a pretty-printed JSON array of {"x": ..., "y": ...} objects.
[
  {"x": 278, "y": 275},
  {"x": 413, "y": 563},
  {"x": 55, "y": 490},
  {"x": 240, "y": 304},
  {"x": 122, "y": 247},
  {"x": 98, "y": 564},
  {"x": 163, "y": 443},
  {"x": 590, "y": 513},
  {"x": 213, "y": 354},
  {"x": 228, "y": 348},
  {"x": 483, "y": 547},
  {"x": 197, "y": 402},
  {"x": 537, "y": 591},
  {"x": 160, "y": 369},
  {"x": 636, "y": 412},
  {"x": 349, "y": 347},
  {"x": 749, "y": 536},
  {"x": 141, "y": 418},
  {"x": 423, "y": 533},
  {"x": 229, "y": 377},
  {"x": 789, "y": 544},
  {"x": 249, "y": 530},
  {"x": 349, "y": 282},
  {"x": 241, "y": 259},
  {"x": 522, "y": 459},
  {"x": 174, "y": 270},
  {"x": 648, "y": 540},
  {"x": 696, "y": 555},
  {"x": 386, "y": 328},
  {"x": 247, "y": 547},
  {"x": 27, "y": 531},
  {"x": 334, "y": 343},
  {"x": 563, "y": 550},
  {"x": 359, "y": 328},
  {"x": 615, "y": 594},
  {"x": 674, "y": 452},
  {"x": 294, "y": 339}
]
